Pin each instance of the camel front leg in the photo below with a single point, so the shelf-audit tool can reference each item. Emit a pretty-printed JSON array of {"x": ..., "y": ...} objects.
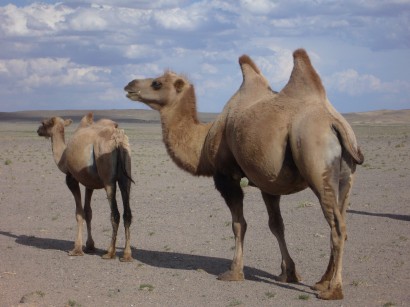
[
  {"x": 232, "y": 193},
  {"x": 89, "y": 246},
  {"x": 115, "y": 220},
  {"x": 277, "y": 227},
  {"x": 79, "y": 215}
]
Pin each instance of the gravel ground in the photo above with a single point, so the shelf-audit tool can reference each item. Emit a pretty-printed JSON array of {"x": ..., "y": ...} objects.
[{"x": 181, "y": 233}]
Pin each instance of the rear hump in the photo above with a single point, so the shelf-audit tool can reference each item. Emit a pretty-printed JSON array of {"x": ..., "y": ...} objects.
[{"x": 304, "y": 79}]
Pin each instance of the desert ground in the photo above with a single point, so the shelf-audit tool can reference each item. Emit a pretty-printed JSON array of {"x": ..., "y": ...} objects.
[{"x": 181, "y": 233}]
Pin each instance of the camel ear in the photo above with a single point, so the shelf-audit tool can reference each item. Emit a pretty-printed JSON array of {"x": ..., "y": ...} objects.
[
  {"x": 67, "y": 122},
  {"x": 179, "y": 85}
]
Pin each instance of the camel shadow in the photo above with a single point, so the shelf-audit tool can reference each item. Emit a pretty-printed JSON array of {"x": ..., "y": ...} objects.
[
  {"x": 165, "y": 259},
  {"x": 46, "y": 243},
  {"x": 400, "y": 217},
  {"x": 211, "y": 265}
]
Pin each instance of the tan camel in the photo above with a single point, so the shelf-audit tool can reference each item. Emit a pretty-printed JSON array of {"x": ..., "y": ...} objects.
[
  {"x": 88, "y": 120},
  {"x": 97, "y": 156},
  {"x": 282, "y": 142}
]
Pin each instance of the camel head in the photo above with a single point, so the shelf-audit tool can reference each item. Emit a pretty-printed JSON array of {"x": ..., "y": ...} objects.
[
  {"x": 160, "y": 92},
  {"x": 53, "y": 125}
]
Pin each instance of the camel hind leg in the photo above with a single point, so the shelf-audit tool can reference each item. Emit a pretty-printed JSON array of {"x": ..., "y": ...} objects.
[
  {"x": 347, "y": 168},
  {"x": 74, "y": 187},
  {"x": 333, "y": 192},
  {"x": 231, "y": 191},
  {"x": 277, "y": 227},
  {"x": 125, "y": 186},
  {"x": 115, "y": 219}
]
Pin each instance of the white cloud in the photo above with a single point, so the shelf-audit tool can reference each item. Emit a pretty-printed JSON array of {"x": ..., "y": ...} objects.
[
  {"x": 103, "y": 44},
  {"x": 260, "y": 7},
  {"x": 33, "y": 20},
  {"x": 180, "y": 19},
  {"x": 351, "y": 82},
  {"x": 208, "y": 68},
  {"x": 40, "y": 72},
  {"x": 88, "y": 20},
  {"x": 276, "y": 67}
]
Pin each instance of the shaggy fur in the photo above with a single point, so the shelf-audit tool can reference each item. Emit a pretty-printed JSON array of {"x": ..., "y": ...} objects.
[
  {"x": 97, "y": 156},
  {"x": 282, "y": 142}
]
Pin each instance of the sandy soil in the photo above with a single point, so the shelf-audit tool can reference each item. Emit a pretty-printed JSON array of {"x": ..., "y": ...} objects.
[{"x": 181, "y": 233}]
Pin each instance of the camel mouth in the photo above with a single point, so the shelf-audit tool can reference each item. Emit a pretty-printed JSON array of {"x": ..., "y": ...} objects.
[{"x": 134, "y": 95}]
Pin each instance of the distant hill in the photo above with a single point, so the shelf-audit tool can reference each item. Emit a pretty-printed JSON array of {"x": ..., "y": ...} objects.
[
  {"x": 390, "y": 117},
  {"x": 386, "y": 117}
]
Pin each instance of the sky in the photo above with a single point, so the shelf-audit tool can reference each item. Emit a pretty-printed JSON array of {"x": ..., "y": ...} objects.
[{"x": 57, "y": 55}]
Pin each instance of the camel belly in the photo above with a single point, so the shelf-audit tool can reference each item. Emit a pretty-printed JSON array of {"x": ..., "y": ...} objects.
[
  {"x": 287, "y": 181},
  {"x": 83, "y": 167}
]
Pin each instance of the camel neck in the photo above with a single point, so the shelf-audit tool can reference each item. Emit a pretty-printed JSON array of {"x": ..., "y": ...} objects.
[
  {"x": 58, "y": 147},
  {"x": 184, "y": 137}
]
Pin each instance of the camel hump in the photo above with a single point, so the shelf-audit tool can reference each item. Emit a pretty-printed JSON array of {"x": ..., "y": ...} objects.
[
  {"x": 304, "y": 79},
  {"x": 246, "y": 60}
]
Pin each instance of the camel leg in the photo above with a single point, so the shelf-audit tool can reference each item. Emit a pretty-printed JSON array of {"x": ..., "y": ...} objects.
[
  {"x": 232, "y": 193},
  {"x": 89, "y": 246},
  {"x": 125, "y": 187},
  {"x": 115, "y": 220},
  {"x": 79, "y": 215},
  {"x": 345, "y": 184},
  {"x": 277, "y": 227}
]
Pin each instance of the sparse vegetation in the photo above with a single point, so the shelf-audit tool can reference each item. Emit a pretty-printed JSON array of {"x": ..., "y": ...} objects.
[
  {"x": 270, "y": 294},
  {"x": 244, "y": 182},
  {"x": 303, "y": 297},
  {"x": 73, "y": 303},
  {"x": 306, "y": 204},
  {"x": 235, "y": 303},
  {"x": 146, "y": 287}
]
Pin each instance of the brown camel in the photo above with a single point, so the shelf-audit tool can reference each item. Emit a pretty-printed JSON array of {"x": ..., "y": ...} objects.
[
  {"x": 97, "y": 156},
  {"x": 282, "y": 142}
]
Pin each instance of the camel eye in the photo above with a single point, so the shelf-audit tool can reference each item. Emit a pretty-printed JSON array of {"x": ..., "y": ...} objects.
[{"x": 156, "y": 85}]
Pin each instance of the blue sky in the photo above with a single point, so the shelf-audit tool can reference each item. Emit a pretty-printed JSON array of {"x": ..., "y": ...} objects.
[{"x": 80, "y": 54}]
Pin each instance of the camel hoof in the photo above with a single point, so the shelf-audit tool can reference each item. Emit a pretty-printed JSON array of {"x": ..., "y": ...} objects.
[
  {"x": 290, "y": 277},
  {"x": 321, "y": 286},
  {"x": 231, "y": 276},
  {"x": 76, "y": 252},
  {"x": 331, "y": 294},
  {"x": 126, "y": 258},
  {"x": 108, "y": 256},
  {"x": 89, "y": 250}
]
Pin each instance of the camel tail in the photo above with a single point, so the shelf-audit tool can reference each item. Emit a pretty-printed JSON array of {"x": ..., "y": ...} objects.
[
  {"x": 123, "y": 157},
  {"x": 348, "y": 140},
  {"x": 304, "y": 80}
]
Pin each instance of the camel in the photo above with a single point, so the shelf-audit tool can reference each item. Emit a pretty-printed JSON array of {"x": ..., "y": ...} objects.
[
  {"x": 282, "y": 142},
  {"x": 97, "y": 156}
]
